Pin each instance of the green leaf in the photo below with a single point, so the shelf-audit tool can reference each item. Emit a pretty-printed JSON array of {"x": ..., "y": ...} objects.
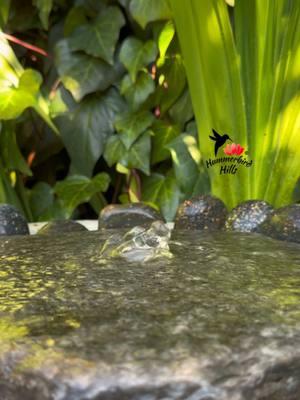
[
  {"x": 164, "y": 192},
  {"x": 114, "y": 150},
  {"x": 4, "y": 12},
  {"x": 77, "y": 189},
  {"x": 82, "y": 74},
  {"x": 135, "y": 55},
  {"x": 172, "y": 82},
  {"x": 85, "y": 130},
  {"x": 99, "y": 37},
  {"x": 164, "y": 133},
  {"x": 14, "y": 100},
  {"x": 137, "y": 93},
  {"x": 10, "y": 154},
  {"x": 139, "y": 154},
  {"x": 45, "y": 7},
  {"x": 186, "y": 159},
  {"x": 132, "y": 125},
  {"x": 145, "y": 11},
  {"x": 74, "y": 19},
  {"x": 43, "y": 204},
  {"x": 137, "y": 157},
  {"x": 164, "y": 40},
  {"x": 182, "y": 111}
]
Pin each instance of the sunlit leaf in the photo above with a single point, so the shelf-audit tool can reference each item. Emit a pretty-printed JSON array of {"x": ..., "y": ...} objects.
[{"x": 145, "y": 11}]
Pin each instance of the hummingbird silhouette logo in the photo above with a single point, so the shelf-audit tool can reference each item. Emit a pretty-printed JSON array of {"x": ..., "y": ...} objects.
[{"x": 219, "y": 140}]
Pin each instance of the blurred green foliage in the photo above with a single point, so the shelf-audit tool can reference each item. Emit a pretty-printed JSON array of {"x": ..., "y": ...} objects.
[{"x": 105, "y": 117}]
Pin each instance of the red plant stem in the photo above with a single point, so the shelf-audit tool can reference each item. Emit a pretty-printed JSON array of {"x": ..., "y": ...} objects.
[{"x": 25, "y": 44}]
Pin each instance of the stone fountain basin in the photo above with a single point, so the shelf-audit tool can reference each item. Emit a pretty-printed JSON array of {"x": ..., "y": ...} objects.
[{"x": 218, "y": 321}]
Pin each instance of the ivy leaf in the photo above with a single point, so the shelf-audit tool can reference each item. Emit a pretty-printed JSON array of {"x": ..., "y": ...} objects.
[
  {"x": 132, "y": 125},
  {"x": 164, "y": 192},
  {"x": 45, "y": 7},
  {"x": 186, "y": 159},
  {"x": 74, "y": 19},
  {"x": 135, "y": 55},
  {"x": 182, "y": 111},
  {"x": 78, "y": 189},
  {"x": 164, "y": 133},
  {"x": 85, "y": 130},
  {"x": 10, "y": 154},
  {"x": 164, "y": 40},
  {"x": 139, "y": 154},
  {"x": 14, "y": 100},
  {"x": 82, "y": 74},
  {"x": 4, "y": 12},
  {"x": 137, "y": 93},
  {"x": 43, "y": 204},
  {"x": 145, "y": 11},
  {"x": 99, "y": 37},
  {"x": 137, "y": 157},
  {"x": 172, "y": 82}
]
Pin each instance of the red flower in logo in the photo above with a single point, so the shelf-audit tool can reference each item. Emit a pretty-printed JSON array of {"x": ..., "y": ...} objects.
[{"x": 234, "y": 149}]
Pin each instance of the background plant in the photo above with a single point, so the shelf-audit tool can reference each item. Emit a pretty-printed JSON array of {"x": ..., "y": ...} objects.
[
  {"x": 97, "y": 111},
  {"x": 244, "y": 72}
]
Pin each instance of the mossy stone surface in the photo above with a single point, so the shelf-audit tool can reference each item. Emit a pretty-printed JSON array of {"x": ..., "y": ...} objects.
[
  {"x": 12, "y": 222},
  {"x": 283, "y": 224},
  {"x": 247, "y": 216},
  {"x": 60, "y": 227},
  {"x": 127, "y": 216},
  {"x": 220, "y": 320},
  {"x": 201, "y": 213}
]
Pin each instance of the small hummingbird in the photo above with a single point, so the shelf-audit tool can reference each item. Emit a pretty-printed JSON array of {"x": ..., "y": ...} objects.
[{"x": 220, "y": 140}]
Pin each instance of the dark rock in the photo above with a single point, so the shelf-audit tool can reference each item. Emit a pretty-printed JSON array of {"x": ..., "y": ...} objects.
[
  {"x": 127, "y": 216},
  {"x": 220, "y": 320},
  {"x": 247, "y": 216},
  {"x": 12, "y": 222},
  {"x": 201, "y": 213},
  {"x": 283, "y": 224},
  {"x": 63, "y": 226}
]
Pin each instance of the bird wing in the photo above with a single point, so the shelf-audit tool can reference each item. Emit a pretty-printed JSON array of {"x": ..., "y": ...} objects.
[
  {"x": 213, "y": 138},
  {"x": 217, "y": 136}
]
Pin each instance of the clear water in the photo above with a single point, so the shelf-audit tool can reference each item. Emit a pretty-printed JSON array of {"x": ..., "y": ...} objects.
[{"x": 224, "y": 307}]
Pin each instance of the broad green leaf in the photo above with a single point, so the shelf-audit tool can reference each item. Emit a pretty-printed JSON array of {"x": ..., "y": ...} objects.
[
  {"x": 137, "y": 93},
  {"x": 75, "y": 18},
  {"x": 85, "y": 130},
  {"x": 14, "y": 100},
  {"x": 139, "y": 154},
  {"x": 164, "y": 41},
  {"x": 4, "y": 12},
  {"x": 11, "y": 156},
  {"x": 164, "y": 192},
  {"x": 145, "y": 11},
  {"x": 132, "y": 125},
  {"x": 164, "y": 133},
  {"x": 186, "y": 160},
  {"x": 182, "y": 111},
  {"x": 135, "y": 55},
  {"x": 45, "y": 7},
  {"x": 99, "y": 37},
  {"x": 77, "y": 189},
  {"x": 43, "y": 204},
  {"x": 82, "y": 74},
  {"x": 8, "y": 54},
  {"x": 172, "y": 82},
  {"x": 114, "y": 150}
]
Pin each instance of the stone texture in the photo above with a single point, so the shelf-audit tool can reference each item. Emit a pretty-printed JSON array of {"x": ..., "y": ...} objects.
[
  {"x": 60, "y": 227},
  {"x": 127, "y": 216},
  {"x": 218, "y": 321},
  {"x": 283, "y": 224},
  {"x": 201, "y": 213},
  {"x": 247, "y": 216},
  {"x": 12, "y": 222}
]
